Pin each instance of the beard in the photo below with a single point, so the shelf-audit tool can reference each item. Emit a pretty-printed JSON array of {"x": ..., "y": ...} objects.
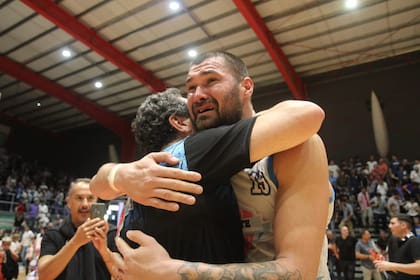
[{"x": 230, "y": 113}]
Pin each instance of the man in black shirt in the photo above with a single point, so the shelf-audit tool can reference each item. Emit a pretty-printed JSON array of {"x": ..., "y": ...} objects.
[
  {"x": 346, "y": 245},
  {"x": 67, "y": 252},
  {"x": 403, "y": 251}
]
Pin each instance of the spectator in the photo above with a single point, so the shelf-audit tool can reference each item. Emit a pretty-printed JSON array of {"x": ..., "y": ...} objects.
[
  {"x": 16, "y": 245},
  {"x": 58, "y": 202},
  {"x": 43, "y": 214},
  {"x": 354, "y": 181},
  {"x": 406, "y": 166},
  {"x": 332, "y": 178},
  {"x": 371, "y": 163},
  {"x": 29, "y": 255},
  {"x": 415, "y": 175},
  {"x": 348, "y": 214},
  {"x": 10, "y": 267},
  {"x": 412, "y": 207},
  {"x": 380, "y": 170},
  {"x": 33, "y": 210},
  {"x": 346, "y": 245},
  {"x": 378, "y": 204},
  {"x": 363, "y": 199},
  {"x": 394, "y": 164},
  {"x": 363, "y": 252},
  {"x": 19, "y": 214},
  {"x": 342, "y": 180},
  {"x": 393, "y": 204},
  {"x": 332, "y": 167},
  {"x": 26, "y": 239},
  {"x": 402, "y": 175},
  {"x": 416, "y": 164},
  {"x": 382, "y": 188},
  {"x": 78, "y": 249},
  {"x": 332, "y": 253}
]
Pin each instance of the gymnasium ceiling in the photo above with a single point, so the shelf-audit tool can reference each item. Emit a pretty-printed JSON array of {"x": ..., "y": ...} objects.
[{"x": 136, "y": 47}]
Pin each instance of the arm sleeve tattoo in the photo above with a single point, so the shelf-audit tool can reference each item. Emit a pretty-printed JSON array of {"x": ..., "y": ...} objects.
[{"x": 264, "y": 270}]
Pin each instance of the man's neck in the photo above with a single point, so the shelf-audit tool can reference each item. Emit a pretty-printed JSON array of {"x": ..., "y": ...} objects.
[
  {"x": 248, "y": 111},
  {"x": 406, "y": 234}
]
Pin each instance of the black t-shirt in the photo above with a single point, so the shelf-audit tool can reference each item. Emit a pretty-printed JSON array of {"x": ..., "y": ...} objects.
[
  {"x": 210, "y": 230},
  {"x": 346, "y": 248},
  {"x": 87, "y": 263},
  {"x": 407, "y": 251}
]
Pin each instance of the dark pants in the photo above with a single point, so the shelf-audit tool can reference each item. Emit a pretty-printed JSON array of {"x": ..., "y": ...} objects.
[
  {"x": 332, "y": 262},
  {"x": 347, "y": 268}
]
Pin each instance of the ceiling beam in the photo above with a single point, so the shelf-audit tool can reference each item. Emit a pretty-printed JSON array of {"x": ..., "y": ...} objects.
[
  {"x": 94, "y": 41},
  {"x": 256, "y": 22},
  {"x": 102, "y": 116}
]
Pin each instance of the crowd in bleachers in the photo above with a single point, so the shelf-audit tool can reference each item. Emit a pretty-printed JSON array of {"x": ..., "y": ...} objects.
[
  {"x": 367, "y": 193},
  {"x": 34, "y": 196}
]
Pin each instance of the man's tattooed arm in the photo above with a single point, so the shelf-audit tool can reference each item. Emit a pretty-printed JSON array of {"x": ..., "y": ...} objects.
[{"x": 264, "y": 270}]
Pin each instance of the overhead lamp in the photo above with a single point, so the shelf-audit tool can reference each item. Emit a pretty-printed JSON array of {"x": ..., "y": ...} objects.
[
  {"x": 174, "y": 6},
  {"x": 38, "y": 104},
  {"x": 351, "y": 4},
  {"x": 192, "y": 53},
  {"x": 98, "y": 84},
  {"x": 66, "y": 53}
]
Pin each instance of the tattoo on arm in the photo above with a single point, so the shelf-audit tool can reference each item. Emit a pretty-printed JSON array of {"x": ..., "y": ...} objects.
[{"x": 252, "y": 271}]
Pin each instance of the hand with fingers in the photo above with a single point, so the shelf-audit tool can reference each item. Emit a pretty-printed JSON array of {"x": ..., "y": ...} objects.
[
  {"x": 99, "y": 239},
  {"x": 151, "y": 184},
  {"x": 86, "y": 231},
  {"x": 383, "y": 265},
  {"x": 149, "y": 261}
]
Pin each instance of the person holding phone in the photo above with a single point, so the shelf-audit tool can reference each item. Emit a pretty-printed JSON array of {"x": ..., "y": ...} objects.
[{"x": 78, "y": 249}]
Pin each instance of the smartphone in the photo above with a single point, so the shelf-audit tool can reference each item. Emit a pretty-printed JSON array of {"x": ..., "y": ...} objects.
[{"x": 98, "y": 210}]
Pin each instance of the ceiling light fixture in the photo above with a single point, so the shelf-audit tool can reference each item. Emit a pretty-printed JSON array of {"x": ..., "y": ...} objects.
[
  {"x": 192, "y": 53},
  {"x": 38, "y": 104},
  {"x": 351, "y": 4},
  {"x": 174, "y": 6},
  {"x": 98, "y": 84},
  {"x": 66, "y": 53}
]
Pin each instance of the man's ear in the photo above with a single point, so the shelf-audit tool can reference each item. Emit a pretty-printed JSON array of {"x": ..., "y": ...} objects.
[
  {"x": 247, "y": 85},
  {"x": 181, "y": 124}
]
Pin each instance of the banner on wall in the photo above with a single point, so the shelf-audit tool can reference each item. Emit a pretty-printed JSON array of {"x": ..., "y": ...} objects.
[{"x": 379, "y": 126}]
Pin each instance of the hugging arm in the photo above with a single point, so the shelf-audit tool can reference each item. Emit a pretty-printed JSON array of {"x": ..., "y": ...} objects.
[
  {"x": 285, "y": 125},
  {"x": 148, "y": 183},
  {"x": 303, "y": 190}
]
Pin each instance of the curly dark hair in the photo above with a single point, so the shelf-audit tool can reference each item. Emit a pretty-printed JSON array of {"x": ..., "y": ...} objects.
[{"x": 151, "y": 126}]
